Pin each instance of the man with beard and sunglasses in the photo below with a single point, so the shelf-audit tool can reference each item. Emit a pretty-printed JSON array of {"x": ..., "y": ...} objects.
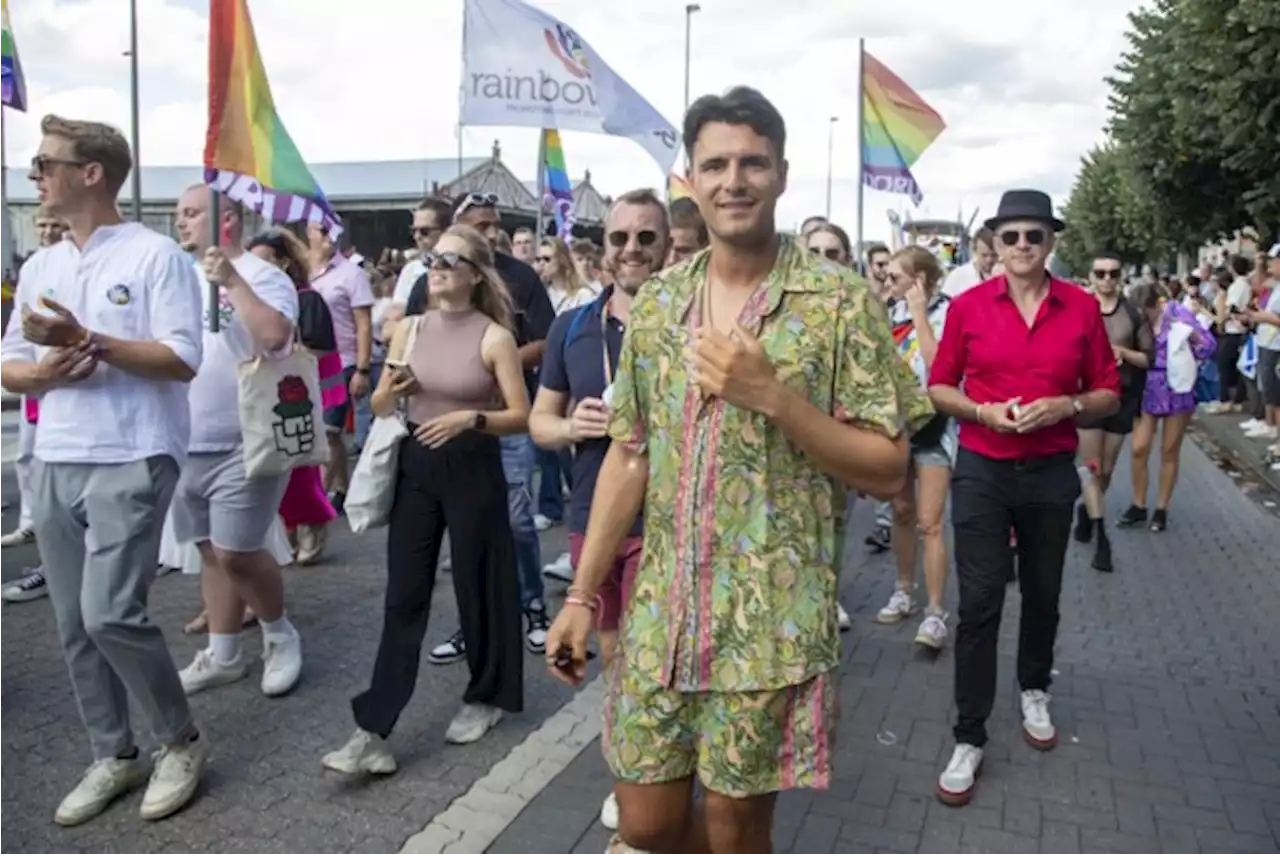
[
  {"x": 1022, "y": 356},
  {"x": 583, "y": 349},
  {"x": 533, "y": 317},
  {"x": 755, "y": 382}
]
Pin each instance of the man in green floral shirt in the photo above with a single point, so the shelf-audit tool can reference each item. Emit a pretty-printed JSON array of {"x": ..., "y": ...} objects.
[{"x": 755, "y": 384}]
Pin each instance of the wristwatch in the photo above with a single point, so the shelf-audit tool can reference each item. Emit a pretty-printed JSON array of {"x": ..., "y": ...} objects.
[
  {"x": 362, "y": 371},
  {"x": 481, "y": 421},
  {"x": 1077, "y": 405}
]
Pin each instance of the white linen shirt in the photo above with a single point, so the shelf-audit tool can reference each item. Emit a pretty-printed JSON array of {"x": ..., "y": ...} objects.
[{"x": 128, "y": 282}]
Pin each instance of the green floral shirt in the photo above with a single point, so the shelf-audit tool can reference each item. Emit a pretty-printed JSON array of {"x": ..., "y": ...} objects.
[{"x": 736, "y": 590}]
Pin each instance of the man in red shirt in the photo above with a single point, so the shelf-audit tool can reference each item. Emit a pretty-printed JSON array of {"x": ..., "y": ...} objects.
[{"x": 1021, "y": 356}]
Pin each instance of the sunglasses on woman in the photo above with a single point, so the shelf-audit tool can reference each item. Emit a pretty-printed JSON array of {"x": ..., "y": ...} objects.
[
  {"x": 831, "y": 252},
  {"x": 445, "y": 260}
]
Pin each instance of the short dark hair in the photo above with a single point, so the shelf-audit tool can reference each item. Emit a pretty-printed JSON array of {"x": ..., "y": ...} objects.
[
  {"x": 1108, "y": 255},
  {"x": 644, "y": 196},
  {"x": 985, "y": 235},
  {"x": 741, "y": 105},
  {"x": 524, "y": 229},
  {"x": 442, "y": 208},
  {"x": 1241, "y": 265},
  {"x": 876, "y": 248},
  {"x": 685, "y": 214}
]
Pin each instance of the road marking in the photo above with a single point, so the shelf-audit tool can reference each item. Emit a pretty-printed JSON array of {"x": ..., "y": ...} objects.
[{"x": 477, "y": 818}]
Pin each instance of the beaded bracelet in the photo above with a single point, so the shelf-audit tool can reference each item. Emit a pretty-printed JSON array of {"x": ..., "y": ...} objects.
[{"x": 577, "y": 597}]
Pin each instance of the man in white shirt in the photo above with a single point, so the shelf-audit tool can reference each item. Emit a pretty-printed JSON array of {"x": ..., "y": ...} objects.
[
  {"x": 978, "y": 270},
  {"x": 108, "y": 336},
  {"x": 227, "y": 514},
  {"x": 430, "y": 220}
]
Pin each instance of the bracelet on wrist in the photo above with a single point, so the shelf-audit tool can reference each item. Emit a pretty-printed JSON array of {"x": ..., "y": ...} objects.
[{"x": 577, "y": 597}]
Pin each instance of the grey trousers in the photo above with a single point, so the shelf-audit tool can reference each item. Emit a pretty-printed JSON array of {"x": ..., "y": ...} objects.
[{"x": 98, "y": 529}]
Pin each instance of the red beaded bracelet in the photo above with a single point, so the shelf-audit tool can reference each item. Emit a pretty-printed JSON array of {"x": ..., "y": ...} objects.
[{"x": 576, "y": 597}]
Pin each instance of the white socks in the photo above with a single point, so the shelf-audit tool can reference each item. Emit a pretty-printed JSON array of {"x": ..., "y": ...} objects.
[
  {"x": 280, "y": 628},
  {"x": 225, "y": 648}
]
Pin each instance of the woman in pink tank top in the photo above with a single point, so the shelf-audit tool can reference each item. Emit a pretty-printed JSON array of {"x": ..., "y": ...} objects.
[{"x": 461, "y": 386}]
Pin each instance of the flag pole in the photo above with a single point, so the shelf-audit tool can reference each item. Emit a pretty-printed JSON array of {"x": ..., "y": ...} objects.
[
  {"x": 214, "y": 217},
  {"x": 542, "y": 185},
  {"x": 862, "y": 155},
  {"x": 135, "y": 101}
]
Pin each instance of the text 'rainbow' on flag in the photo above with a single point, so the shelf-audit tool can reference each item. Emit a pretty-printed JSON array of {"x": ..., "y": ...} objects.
[
  {"x": 248, "y": 154},
  {"x": 897, "y": 126}
]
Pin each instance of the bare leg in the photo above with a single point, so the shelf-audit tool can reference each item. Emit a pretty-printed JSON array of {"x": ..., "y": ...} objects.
[
  {"x": 1144, "y": 433},
  {"x": 1091, "y": 443},
  {"x": 906, "y": 546},
  {"x": 931, "y": 504},
  {"x": 1175, "y": 428},
  {"x": 660, "y": 818},
  {"x": 740, "y": 825}
]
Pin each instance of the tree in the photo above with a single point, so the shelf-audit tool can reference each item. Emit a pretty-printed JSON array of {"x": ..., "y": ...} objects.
[{"x": 1109, "y": 209}]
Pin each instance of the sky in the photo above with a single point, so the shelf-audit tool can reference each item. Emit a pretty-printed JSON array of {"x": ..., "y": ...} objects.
[{"x": 1020, "y": 84}]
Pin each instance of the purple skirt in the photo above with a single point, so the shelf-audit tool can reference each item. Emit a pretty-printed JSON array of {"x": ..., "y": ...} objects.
[{"x": 1160, "y": 400}]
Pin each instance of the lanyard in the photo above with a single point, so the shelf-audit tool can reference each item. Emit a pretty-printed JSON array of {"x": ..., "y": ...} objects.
[{"x": 604, "y": 343}]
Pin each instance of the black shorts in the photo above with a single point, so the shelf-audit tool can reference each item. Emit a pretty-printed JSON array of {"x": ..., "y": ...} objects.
[
  {"x": 1119, "y": 423},
  {"x": 1269, "y": 376}
]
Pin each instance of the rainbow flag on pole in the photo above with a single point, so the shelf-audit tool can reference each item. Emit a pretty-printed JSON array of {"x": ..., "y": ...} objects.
[
  {"x": 248, "y": 154},
  {"x": 558, "y": 189},
  {"x": 14, "y": 84},
  {"x": 897, "y": 126}
]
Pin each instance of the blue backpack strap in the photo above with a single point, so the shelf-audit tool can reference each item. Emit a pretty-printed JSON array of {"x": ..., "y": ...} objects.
[{"x": 580, "y": 319}]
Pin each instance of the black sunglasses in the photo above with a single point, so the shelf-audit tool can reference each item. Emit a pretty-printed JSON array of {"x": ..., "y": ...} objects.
[
  {"x": 831, "y": 252},
  {"x": 619, "y": 239},
  {"x": 1035, "y": 236},
  {"x": 543, "y": 259},
  {"x": 421, "y": 231},
  {"x": 445, "y": 260},
  {"x": 42, "y": 165},
  {"x": 1107, "y": 274}
]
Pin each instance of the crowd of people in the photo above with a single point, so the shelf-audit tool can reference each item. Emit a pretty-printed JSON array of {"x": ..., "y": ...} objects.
[{"x": 700, "y": 401}]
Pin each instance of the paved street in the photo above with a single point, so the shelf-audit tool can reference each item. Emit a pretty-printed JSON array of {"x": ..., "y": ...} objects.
[{"x": 1167, "y": 701}]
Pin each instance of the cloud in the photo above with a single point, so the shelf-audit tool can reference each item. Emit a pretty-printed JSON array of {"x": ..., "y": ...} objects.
[{"x": 1019, "y": 84}]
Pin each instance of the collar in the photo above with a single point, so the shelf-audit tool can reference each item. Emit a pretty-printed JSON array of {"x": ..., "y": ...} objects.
[
  {"x": 999, "y": 289},
  {"x": 794, "y": 271}
]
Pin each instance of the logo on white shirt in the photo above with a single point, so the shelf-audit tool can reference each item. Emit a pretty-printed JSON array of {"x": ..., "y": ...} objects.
[{"x": 119, "y": 294}]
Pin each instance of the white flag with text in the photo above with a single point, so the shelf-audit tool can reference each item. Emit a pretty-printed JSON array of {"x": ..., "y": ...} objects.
[{"x": 524, "y": 68}]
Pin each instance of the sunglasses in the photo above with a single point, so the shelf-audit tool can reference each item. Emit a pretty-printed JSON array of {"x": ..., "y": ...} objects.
[
  {"x": 1107, "y": 274},
  {"x": 42, "y": 165},
  {"x": 543, "y": 259},
  {"x": 1035, "y": 236},
  {"x": 420, "y": 231},
  {"x": 831, "y": 252},
  {"x": 445, "y": 260},
  {"x": 476, "y": 200},
  {"x": 619, "y": 239}
]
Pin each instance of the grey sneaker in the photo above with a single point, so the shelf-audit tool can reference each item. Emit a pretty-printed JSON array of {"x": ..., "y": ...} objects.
[
  {"x": 363, "y": 752},
  {"x": 472, "y": 722},
  {"x": 900, "y": 606},
  {"x": 933, "y": 631}
]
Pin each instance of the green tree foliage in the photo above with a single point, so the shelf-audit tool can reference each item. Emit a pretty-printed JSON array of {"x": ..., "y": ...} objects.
[
  {"x": 1109, "y": 210},
  {"x": 1196, "y": 120}
]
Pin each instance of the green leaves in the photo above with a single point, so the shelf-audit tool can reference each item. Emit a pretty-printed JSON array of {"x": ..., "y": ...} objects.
[{"x": 1194, "y": 149}]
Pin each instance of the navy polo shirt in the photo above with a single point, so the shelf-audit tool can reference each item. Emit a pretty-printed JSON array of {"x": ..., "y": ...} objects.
[{"x": 574, "y": 365}]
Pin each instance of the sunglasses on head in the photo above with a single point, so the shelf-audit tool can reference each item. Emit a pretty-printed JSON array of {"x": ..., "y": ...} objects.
[
  {"x": 445, "y": 260},
  {"x": 619, "y": 239},
  {"x": 476, "y": 200},
  {"x": 1035, "y": 236},
  {"x": 831, "y": 252},
  {"x": 1107, "y": 274}
]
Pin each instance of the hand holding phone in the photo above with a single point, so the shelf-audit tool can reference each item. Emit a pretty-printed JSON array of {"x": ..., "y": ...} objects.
[{"x": 403, "y": 382}]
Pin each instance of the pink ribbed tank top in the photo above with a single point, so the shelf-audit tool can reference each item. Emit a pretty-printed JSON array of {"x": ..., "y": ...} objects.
[{"x": 447, "y": 362}]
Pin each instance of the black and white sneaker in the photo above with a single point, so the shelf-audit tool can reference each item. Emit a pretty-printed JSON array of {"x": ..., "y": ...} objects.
[
  {"x": 450, "y": 652},
  {"x": 536, "y": 625},
  {"x": 880, "y": 540},
  {"x": 27, "y": 588}
]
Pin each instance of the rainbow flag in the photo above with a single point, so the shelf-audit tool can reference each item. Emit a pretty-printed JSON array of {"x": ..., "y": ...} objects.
[
  {"x": 248, "y": 154},
  {"x": 14, "y": 84},
  {"x": 558, "y": 190},
  {"x": 897, "y": 126},
  {"x": 677, "y": 188}
]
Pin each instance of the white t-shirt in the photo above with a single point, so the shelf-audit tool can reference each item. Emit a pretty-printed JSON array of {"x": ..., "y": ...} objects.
[
  {"x": 961, "y": 279},
  {"x": 128, "y": 282},
  {"x": 214, "y": 395},
  {"x": 409, "y": 273},
  {"x": 1269, "y": 333},
  {"x": 562, "y": 302},
  {"x": 909, "y": 345},
  {"x": 1237, "y": 299}
]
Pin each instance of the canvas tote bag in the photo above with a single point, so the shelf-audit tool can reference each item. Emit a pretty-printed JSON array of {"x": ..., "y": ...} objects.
[
  {"x": 281, "y": 413},
  {"x": 373, "y": 486}
]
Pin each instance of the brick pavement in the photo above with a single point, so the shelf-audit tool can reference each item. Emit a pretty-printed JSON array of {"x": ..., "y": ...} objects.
[
  {"x": 1167, "y": 700},
  {"x": 265, "y": 791}
]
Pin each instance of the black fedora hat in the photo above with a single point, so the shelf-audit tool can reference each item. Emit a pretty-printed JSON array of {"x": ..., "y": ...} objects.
[{"x": 1025, "y": 204}]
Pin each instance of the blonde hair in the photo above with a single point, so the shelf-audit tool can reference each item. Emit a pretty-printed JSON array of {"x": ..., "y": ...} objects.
[
  {"x": 490, "y": 295},
  {"x": 916, "y": 260},
  {"x": 94, "y": 142},
  {"x": 568, "y": 276}
]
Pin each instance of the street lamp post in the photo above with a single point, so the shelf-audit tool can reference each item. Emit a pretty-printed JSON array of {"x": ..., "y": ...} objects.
[
  {"x": 831, "y": 138},
  {"x": 689, "y": 10},
  {"x": 133, "y": 97}
]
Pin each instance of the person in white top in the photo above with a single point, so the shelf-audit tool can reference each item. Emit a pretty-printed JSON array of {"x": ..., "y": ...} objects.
[
  {"x": 227, "y": 514},
  {"x": 108, "y": 337},
  {"x": 1232, "y": 309},
  {"x": 430, "y": 220},
  {"x": 978, "y": 270}
]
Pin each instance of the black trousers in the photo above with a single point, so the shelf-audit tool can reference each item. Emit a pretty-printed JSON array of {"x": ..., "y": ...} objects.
[
  {"x": 988, "y": 497},
  {"x": 460, "y": 488},
  {"x": 1233, "y": 389}
]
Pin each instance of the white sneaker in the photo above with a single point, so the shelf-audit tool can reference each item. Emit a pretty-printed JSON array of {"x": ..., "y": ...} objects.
[
  {"x": 205, "y": 671},
  {"x": 20, "y": 537},
  {"x": 955, "y": 786},
  {"x": 363, "y": 752},
  {"x": 900, "y": 606},
  {"x": 933, "y": 631},
  {"x": 472, "y": 722},
  {"x": 1265, "y": 432},
  {"x": 106, "y": 780},
  {"x": 1250, "y": 424},
  {"x": 174, "y": 782},
  {"x": 609, "y": 812},
  {"x": 542, "y": 523},
  {"x": 1037, "y": 726},
  {"x": 842, "y": 618},
  {"x": 282, "y": 663},
  {"x": 561, "y": 570}
]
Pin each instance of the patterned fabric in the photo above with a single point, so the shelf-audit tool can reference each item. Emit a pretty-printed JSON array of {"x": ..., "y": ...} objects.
[
  {"x": 904, "y": 333},
  {"x": 1157, "y": 398},
  {"x": 739, "y": 744},
  {"x": 736, "y": 588}
]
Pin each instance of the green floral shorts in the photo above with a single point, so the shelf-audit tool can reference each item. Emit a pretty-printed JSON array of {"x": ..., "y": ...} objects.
[{"x": 739, "y": 744}]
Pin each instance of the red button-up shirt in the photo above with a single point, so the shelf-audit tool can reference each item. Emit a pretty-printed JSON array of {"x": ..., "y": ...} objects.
[{"x": 988, "y": 349}]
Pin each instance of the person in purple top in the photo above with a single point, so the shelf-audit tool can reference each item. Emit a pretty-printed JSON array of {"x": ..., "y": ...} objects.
[{"x": 1162, "y": 407}]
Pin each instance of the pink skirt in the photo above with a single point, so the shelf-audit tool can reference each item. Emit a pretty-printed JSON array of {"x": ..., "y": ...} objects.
[{"x": 305, "y": 502}]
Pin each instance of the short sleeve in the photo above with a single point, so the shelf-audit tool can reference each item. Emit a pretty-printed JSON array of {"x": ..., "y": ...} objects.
[
  {"x": 874, "y": 386},
  {"x": 554, "y": 374},
  {"x": 361, "y": 291},
  {"x": 15, "y": 348},
  {"x": 629, "y": 407},
  {"x": 949, "y": 361},
  {"x": 177, "y": 307},
  {"x": 277, "y": 290}
]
